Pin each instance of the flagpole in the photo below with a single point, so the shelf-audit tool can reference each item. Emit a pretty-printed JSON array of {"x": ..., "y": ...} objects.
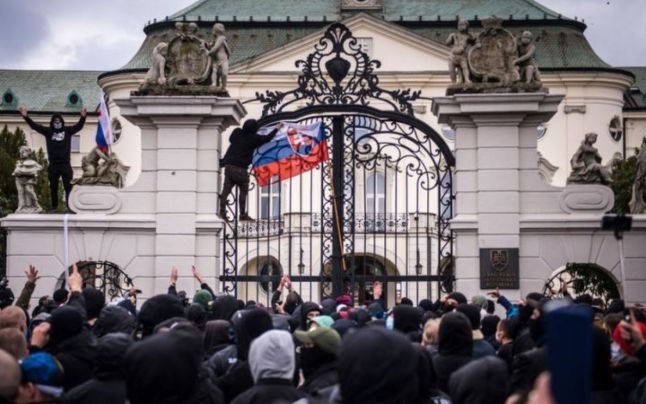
[{"x": 336, "y": 217}]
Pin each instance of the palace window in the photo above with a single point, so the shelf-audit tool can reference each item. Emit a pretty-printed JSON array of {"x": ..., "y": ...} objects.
[
  {"x": 375, "y": 194},
  {"x": 270, "y": 200}
]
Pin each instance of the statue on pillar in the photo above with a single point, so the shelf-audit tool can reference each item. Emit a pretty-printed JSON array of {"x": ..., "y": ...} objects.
[
  {"x": 219, "y": 53},
  {"x": 526, "y": 64},
  {"x": 102, "y": 167},
  {"x": 156, "y": 74},
  {"x": 638, "y": 200},
  {"x": 586, "y": 164},
  {"x": 493, "y": 61},
  {"x": 188, "y": 64},
  {"x": 460, "y": 42},
  {"x": 26, "y": 173}
]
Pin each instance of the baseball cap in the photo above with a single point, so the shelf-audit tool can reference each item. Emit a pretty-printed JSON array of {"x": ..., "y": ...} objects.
[
  {"x": 325, "y": 338},
  {"x": 323, "y": 321},
  {"x": 44, "y": 371}
]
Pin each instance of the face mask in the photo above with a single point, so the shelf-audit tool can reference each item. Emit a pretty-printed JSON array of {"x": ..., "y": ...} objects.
[
  {"x": 58, "y": 125},
  {"x": 390, "y": 323}
]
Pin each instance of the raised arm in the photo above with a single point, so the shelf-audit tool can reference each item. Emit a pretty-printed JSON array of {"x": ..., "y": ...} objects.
[
  {"x": 531, "y": 50},
  {"x": 79, "y": 125},
  {"x": 260, "y": 140},
  {"x": 43, "y": 130}
]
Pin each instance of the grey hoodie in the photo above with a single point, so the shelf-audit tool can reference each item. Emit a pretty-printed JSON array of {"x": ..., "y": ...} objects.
[{"x": 272, "y": 356}]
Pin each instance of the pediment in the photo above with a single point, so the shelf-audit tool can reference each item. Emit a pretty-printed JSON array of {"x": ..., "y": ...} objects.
[{"x": 398, "y": 49}]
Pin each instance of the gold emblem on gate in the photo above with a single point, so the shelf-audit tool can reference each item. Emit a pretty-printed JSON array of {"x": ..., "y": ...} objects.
[{"x": 499, "y": 259}]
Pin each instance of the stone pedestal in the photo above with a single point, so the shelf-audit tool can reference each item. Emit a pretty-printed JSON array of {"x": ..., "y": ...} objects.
[
  {"x": 180, "y": 169},
  {"x": 496, "y": 171},
  {"x": 166, "y": 218}
]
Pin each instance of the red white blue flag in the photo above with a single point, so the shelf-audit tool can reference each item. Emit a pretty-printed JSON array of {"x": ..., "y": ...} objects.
[
  {"x": 103, "y": 128},
  {"x": 295, "y": 149}
]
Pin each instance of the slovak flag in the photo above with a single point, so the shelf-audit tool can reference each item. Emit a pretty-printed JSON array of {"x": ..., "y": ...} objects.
[
  {"x": 103, "y": 128},
  {"x": 295, "y": 150}
]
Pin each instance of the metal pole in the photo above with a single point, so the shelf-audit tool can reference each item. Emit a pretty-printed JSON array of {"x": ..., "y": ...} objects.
[
  {"x": 66, "y": 252},
  {"x": 338, "y": 262},
  {"x": 620, "y": 241}
]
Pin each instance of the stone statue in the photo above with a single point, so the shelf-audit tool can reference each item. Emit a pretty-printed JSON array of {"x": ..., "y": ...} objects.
[
  {"x": 460, "y": 42},
  {"x": 638, "y": 200},
  {"x": 526, "y": 64},
  {"x": 189, "y": 65},
  {"x": 156, "y": 74},
  {"x": 102, "y": 167},
  {"x": 26, "y": 172},
  {"x": 586, "y": 164},
  {"x": 219, "y": 63},
  {"x": 493, "y": 61}
]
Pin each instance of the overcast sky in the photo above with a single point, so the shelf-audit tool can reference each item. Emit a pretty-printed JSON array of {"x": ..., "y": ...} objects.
[{"x": 104, "y": 35}]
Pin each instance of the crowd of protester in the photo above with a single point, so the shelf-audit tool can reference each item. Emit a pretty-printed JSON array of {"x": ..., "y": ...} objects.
[{"x": 74, "y": 348}]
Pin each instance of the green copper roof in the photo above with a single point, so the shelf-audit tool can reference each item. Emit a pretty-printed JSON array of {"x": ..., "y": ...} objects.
[
  {"x": 558, "y": 47},
  {"x": 49, "y": 90},
  {"x": 279, "y": 10},
  {"x": 635, "y": 98}
]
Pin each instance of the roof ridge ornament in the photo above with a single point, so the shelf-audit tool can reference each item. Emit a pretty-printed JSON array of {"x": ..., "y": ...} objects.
[{"x": 349, "y": 78}]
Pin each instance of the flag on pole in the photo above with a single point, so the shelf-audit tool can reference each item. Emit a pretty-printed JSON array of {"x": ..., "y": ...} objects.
[
  {"x": 103, "y": 128},
  {"x": 295, "y": 149}
]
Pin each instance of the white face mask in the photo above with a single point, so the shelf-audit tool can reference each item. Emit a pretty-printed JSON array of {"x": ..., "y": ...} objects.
[{"x": 58, "y": 125}]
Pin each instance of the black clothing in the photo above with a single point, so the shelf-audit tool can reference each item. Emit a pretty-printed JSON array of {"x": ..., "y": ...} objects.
[
  {"x": 224, "y": 307},
  {"x": 526, "y": 368},
  {"x": 58, "y": 141},
  {"x": 483, "y": 381},
  {"x": 157, "y": 309},
  {"x": 505, "y": 353},
  {"x": 77, "y": 355},
  {"x": 216, "y": 336},
  {"x": 54, "y": 172},
  {"x": 59, "y": 146},
  {"x": 377, "y": 365},
  {"x": 270, "y": 391},
  {"x": 237, "y": 380},
  {"x": 236, "y": 161},
  {"x": 171, "y": 377},
  {"x": 108, "y": 386},
  {"x": 220, "y": 362},
  {"x": 243, "y": 144},
  {"x": 235, "y": 176},
  {"x": 455, "y": 347},
  {"x": 114, "y": 319},
  {"x": 306, "y": 308},
  {"x": 322, "y": 377},
  {"x": 408, "y": 321}
]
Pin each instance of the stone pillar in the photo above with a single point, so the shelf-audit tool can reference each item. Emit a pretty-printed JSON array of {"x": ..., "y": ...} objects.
[
  {"x": 179, "y": 183},
  {"x": 496, "y": 162}
]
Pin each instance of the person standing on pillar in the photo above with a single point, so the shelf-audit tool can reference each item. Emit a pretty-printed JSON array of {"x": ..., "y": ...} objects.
[
  {"x": 236, "y": 163},
  {"x": 59, "y": 144}
]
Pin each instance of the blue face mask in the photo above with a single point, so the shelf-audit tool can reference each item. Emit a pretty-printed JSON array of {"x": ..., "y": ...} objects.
[{"x": 390, "y": 323}]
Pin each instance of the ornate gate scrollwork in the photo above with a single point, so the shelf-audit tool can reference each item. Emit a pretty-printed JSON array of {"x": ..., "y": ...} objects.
[{"x": 383, "y": 200}]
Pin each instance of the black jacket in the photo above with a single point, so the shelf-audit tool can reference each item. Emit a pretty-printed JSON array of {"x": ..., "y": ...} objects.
[
  {"x": 270, "y": 391},
  {"x": 108, "y": 385},
  {"x": 59, "y": 141},
  {"x": 243, "y": 144},
  {"x": 323, "y": 377},
  {"x": 77, "y": 355}
]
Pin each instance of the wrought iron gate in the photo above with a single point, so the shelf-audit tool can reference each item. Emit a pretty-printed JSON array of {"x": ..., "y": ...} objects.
[{"x": 376, "y": 210}]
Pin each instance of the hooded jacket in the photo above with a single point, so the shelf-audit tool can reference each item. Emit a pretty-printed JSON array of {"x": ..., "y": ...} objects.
[
  {"x": 455, "y": 347},
  {"x": 248, "y": 325},
  {"x": 272, "y": 364},
  {"x": 376, "y": 366},
  {"x": 408, "y": 321},
  {"x": 114, "y": 319},
  {"x": 224, "y": 307},
  {"x": 59, "y": 141},
  {"x": 173, "y": 376},
  {"x": 216, "y": 336},
  {"x": 108, "y": 385},
  {"x": 72, "y": 345},
  {"x": 306, "y": 308},
  {"x": 244, "y": 142},
  {"x": 483, "y": 381}
]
